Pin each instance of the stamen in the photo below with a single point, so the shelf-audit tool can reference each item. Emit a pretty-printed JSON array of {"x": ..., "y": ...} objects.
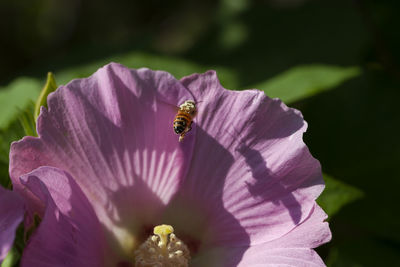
[
  {"x": 163, "y": 231},
  {"x": 162, "y": 249}
]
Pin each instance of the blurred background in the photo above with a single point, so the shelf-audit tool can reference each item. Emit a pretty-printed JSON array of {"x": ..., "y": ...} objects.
[{"x": 336, "y": 61}]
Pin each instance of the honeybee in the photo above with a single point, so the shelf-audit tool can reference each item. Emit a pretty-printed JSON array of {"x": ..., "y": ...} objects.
[{"x": 183, "y": 120}]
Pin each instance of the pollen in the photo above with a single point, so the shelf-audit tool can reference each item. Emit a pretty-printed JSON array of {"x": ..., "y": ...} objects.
[
  {"x": 163, "y": 249},
  {"x": 188, "y": 106}
]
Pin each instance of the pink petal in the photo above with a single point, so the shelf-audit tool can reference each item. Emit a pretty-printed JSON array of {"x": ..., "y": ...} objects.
[
  {"x": 69, "y": 233},
  {"x": 113, "y": 133},
  {"x": 11, "y": 215},
  {"x": 292, "y": 249},
  {"x": 297, "y": 257},
  {"x": 250, "y": 165},
  {"x": 309, "y": 234}
]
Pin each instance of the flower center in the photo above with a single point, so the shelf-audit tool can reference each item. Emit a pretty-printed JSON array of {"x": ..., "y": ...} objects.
[{"x": 162, "y": 249}]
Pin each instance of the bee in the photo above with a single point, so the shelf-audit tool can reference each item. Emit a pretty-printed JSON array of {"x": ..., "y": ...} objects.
[{"x": 183, "y": 120}]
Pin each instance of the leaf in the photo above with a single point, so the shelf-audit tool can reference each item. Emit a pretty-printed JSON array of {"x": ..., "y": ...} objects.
[
  {"x": 306, "y": 80},
  {"x": 176, "y": 66},
  {"x": 22, "y": 125},
  {"x": 27, "y": 120},
  {"x": 11, "y": 259},
  {"x": 5, "y": 180},
  {"x": 49, "y": 87},
  {"x": 13, "y": 132},
  {"x": 362, "y": 250},
  {"x": 16, "y": 96},
  {"x": 336, "y": 195}
]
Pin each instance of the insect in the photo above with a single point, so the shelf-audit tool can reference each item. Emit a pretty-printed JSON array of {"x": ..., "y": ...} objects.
[{"x": 183, "y": 120}]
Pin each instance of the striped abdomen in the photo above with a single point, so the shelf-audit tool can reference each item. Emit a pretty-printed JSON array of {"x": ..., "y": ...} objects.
[{"x": 182, "y": 122}]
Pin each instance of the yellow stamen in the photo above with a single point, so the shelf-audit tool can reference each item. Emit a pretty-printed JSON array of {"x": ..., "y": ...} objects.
[
  {"x": 163, "y": 231},
  {"x": 162, "y": 249}
]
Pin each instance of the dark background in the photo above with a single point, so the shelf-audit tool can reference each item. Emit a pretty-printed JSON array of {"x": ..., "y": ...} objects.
[{"x": 353, "y": 129}]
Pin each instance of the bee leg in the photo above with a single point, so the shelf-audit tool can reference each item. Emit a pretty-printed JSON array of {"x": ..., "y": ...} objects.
[
  {"x": 181, "y": 137},
  {"x": 185, "y": 132}
]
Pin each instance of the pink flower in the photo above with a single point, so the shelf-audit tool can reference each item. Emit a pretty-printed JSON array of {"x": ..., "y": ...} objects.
[{"x": 107, "y": 167}]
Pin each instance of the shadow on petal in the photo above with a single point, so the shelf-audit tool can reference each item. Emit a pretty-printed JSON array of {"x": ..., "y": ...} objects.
[
  {"x": 197, "y": 211},
  {"x": 136, "y": 209},
  {"x": 264, "y": 179},
  {"x": 70, "y": 233}
]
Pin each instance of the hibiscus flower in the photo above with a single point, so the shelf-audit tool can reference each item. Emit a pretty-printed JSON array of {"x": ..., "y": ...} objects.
[{"x": 113, "y": 186}]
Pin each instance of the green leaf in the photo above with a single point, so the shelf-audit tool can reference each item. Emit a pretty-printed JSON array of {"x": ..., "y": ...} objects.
[
  {"x": 176, "y": 66},
  {"x": 362, "y": 250},
  {"x": 16, "y": 96},
  {"x": 21, "y": 126},
  {"x": 27, "y": 120},
  {"x": 304, "y": 81},
  {"x": 13, "y": 132},
  {"x": 12, "y": 258},
  {"x": 5, "y": 180},
  {"x": 336, "y": 195},
  {"x": 49, "y": 87}
]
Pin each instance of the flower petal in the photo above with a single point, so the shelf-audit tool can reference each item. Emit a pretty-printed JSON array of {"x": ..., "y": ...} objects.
[
  {"x": 309, "y": 234},
  {"x": 113, "y": 133},
  {"x": 249, "y": 160},
  {"x": 11, "y": 215},
  {"x": 297, "y": 257},
  {"x": 70, "y": 233},
  {"x": 292, "y": 249}
]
